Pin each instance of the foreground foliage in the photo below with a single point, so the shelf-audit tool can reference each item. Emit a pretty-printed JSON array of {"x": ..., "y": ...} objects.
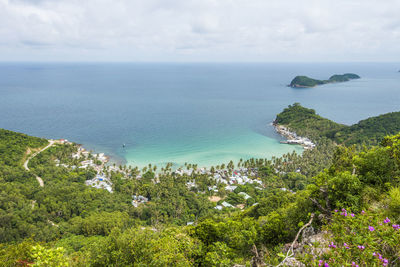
[{"x": 360, "y": 239}]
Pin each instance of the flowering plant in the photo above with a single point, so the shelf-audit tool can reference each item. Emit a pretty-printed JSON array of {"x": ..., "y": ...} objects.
[{"x": 365, "y": 239}]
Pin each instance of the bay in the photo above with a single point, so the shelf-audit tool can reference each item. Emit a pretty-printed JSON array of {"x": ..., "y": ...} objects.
[{"x": 203, "y": 113}]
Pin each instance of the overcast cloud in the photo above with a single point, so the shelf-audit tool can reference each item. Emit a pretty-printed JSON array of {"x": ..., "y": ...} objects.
[{"x": 200, "y": 30}]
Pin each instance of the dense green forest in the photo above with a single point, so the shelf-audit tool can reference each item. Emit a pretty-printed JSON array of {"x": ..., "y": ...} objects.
[
  {"x": 304, "y": 81},
  {"x": 306, "y": 122},
  {"x": 346, "y": 201}
]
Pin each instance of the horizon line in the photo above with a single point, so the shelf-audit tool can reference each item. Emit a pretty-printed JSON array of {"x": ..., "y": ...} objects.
[{"x": 186, "y": 62}]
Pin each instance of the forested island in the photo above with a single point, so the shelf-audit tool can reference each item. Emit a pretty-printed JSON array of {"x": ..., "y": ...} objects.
[
  {"x": 305, "y": 82},
  {"x": 336, "y": 204}
]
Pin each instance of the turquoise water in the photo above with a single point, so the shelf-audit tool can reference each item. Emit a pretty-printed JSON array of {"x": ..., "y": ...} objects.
[{"x": 198, "y": 113}]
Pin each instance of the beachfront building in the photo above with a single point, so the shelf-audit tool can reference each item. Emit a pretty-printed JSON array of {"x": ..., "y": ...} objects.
[
  {"x": 101, "y": 157},
  {"x": 181, "y": 172},
  {"x": 87, "y": 163}
]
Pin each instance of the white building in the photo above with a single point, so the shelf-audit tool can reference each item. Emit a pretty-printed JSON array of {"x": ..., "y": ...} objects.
[
  {"x": 246, "y": 196},
  {"x": 226, "y": 205},
  {"x": 213, "y": 188},
  {"x": 139, "y": 200},
  {"x": 191, "y": 184},
  {"x": 100, "y": 182},
  {"x": 230, "y": 187}
]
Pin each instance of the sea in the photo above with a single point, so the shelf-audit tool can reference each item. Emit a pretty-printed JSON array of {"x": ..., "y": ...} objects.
[{"x": 200, "y": 113}]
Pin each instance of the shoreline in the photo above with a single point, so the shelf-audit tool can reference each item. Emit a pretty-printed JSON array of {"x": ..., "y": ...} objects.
[
  {"x": 292, "y": 137},
  {"x": 109, "y": 160}
]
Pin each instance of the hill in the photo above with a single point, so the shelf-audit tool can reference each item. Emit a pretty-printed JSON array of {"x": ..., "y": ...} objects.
[
  {"x": 305, "y": 82},
  {"x": 371, "y": 130},
  {"x": 13, "y": 146},
  {"x": 305, "y": 122}
]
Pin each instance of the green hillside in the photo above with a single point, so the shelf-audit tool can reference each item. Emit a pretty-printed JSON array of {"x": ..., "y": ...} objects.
[
  {"x": 304, "y": 81},
  {"x": 305, "y": 122},
  {"x": 343, "y": 78},
  {"x": 371, "y": 130},
  {"x": 13, "y": 146}
]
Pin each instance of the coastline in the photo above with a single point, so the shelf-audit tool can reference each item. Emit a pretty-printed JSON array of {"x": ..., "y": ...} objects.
[
  {"x": 292, "y": 137},
  {"x": 112, "y": 158}
]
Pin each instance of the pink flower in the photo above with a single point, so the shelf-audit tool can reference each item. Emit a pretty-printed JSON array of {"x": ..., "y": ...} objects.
[
  {"x": 346, "y": 246},
  {"x": 371, "y": 228},
  {"x": 322, "y": 262},
  {"x": 331, "y": 245},
  {"x": 385, "y": 262},
  {"x": 361, "y": 247},
  {"x": 386, "y": 220},
  {"x": 352, "y": 215},
  {"x": 396, "y": 226},
  {"x": 362, "y": 212}
]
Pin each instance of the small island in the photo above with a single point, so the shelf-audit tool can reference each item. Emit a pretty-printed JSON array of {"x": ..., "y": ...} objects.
[{"x": 306, "y": 82}]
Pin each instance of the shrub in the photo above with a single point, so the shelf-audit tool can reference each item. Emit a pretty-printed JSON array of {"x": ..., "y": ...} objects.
[
  {"x": 394, "y": 202},
  {"x": 363, "y": 239}
]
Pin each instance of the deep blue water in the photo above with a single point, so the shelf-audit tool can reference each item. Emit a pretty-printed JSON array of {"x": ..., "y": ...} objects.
[{"x": 200, "y": 113}]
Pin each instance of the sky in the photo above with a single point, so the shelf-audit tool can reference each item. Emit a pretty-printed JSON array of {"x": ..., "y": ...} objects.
[{"x": 200, "y": 30}]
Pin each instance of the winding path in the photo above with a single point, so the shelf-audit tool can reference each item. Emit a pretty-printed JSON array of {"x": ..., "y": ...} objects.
[{"x": 41, "y": 183}]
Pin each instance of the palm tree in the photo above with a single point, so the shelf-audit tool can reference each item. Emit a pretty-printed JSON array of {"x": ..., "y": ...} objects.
[{"x": 212, "y": 170}]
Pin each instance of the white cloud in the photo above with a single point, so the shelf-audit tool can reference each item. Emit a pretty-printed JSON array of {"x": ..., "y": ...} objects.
[{"x": 199, "y": 30}]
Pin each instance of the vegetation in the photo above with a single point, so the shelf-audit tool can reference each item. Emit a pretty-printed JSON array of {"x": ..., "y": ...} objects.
[
  {"x": 365, "y": 238},
  {"x": 305, "y": 122},
  {"x": 344, "y": 77},
  {"x": 13, "y": 147},
  {"x": 371, "y": 130},
  {"x": 304, "y": 81},
  {"x": 67, "y": 223}
]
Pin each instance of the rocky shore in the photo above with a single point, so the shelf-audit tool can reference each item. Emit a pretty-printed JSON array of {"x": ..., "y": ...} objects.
[{"x": 293, "y": 138}]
